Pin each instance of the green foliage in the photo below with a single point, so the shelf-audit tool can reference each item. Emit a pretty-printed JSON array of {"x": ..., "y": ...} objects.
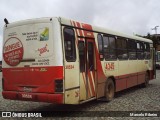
[{"x": 154, "y": 38}]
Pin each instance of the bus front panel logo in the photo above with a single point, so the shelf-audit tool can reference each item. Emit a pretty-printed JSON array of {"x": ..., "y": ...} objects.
[{"x": 13, "y": 51}]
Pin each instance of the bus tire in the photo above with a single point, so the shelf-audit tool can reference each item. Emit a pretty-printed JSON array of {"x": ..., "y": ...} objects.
[
  {"x": 146, "y": 82},
  {"x": 109, "y": 90}
]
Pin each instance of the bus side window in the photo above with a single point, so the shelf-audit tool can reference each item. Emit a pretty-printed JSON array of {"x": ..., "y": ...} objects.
[
  {"x": 131, "y": 44},
  {"x": 112, "y": 47},
  {"x": 100, "y": 46},
  {"x": 146, "y": 51},
  {"x": 106, "y": 47},
  {"x": 91, "y": 56},
  {"x": 109, "y": 47},
  {"x": 122, "y": 48},
  {"x": 69, "y": 44},
  {"x": 81, "y": 48},
  {"x": 140, "y": 50}
]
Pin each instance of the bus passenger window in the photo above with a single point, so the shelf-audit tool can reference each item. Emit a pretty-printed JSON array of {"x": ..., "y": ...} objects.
[
  {"x": 140, "y": 50},
  {"x": 91, "y": 56},
  {"x": 109, "y": 47},
  {"x": 100, "y": 46},
  {"x": 69, "y": 44},
  {"x": 146, "y": 51},
  {"x": 112, "y": 46},
  {"x": 131, "y": 45},
  {"x": 122, "y": 48},
  {"x": 106, "y": 47},
  {"x": 81, "y": 55}
]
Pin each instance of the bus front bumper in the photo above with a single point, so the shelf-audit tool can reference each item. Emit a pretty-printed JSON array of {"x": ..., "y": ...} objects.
[{"x": 37, "y": 97}]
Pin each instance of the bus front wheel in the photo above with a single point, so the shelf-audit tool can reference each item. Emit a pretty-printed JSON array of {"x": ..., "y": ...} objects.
[{"x": 109, "y": 90}]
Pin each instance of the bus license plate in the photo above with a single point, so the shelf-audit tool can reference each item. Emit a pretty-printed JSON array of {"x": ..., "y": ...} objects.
[{"x": 28, "y": 96}]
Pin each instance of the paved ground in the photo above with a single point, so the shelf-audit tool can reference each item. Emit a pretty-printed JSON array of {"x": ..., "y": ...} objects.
[{"x": 134, "y": 99}]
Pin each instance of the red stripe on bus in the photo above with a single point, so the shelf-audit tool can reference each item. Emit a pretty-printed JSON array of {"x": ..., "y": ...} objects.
[
  {"x": 89, "y": 92},
  {"x": 91, "y": 83},
  {"x": 84, "y": 80},
  {"x": 80, "y": 31}
]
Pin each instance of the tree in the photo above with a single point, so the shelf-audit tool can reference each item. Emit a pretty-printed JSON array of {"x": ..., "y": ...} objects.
[{"x": 154, "y": 38}]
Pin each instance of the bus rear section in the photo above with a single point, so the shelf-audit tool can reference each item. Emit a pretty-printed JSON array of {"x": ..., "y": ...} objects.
[{"x": 32, "y": 61}]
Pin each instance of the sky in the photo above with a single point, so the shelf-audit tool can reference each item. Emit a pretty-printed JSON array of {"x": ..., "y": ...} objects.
[{"x": 125, "y": 16}]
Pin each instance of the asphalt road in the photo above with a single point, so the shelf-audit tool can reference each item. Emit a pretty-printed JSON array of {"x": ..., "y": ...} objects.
[{"x": 134, "y": 99}]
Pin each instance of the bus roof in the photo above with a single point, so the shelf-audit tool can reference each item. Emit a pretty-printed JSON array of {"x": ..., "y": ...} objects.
[
  {"x": 106, "y": 31},
  {"x": 66, "y": 21},
  {"x": 28, "y": 21}
]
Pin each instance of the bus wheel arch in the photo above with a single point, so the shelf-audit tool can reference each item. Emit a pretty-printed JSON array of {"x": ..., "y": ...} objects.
[{"x": 109, "y": 89}]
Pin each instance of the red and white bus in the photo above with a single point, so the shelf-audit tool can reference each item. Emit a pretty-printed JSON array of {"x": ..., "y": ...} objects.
[{"x": 63, "y": 61}]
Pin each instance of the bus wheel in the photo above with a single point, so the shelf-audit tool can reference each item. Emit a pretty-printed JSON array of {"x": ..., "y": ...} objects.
[
  {"x": 146, "y": 82},
  {"x": 109, "y": 90}
]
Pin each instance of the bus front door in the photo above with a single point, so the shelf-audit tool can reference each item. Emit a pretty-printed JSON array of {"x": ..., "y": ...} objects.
[{"x": 87, "y": 69}]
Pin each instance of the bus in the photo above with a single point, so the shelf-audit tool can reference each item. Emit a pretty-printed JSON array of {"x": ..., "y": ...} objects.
[
  {"x": 158, "y": 59},
  {"x": 62, "y": 61}
]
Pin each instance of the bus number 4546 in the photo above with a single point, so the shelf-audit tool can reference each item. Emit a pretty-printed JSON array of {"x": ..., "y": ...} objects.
[{"x": 109, "y": 66}]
